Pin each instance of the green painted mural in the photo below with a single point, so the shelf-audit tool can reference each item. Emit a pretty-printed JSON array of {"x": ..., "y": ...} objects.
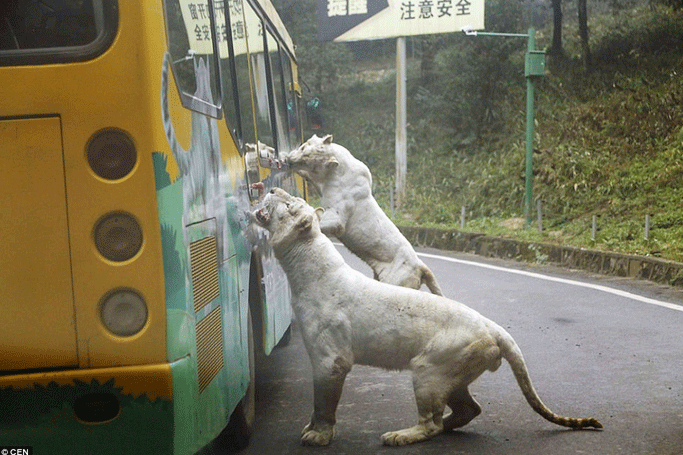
[{"x": 41, "y": 415}]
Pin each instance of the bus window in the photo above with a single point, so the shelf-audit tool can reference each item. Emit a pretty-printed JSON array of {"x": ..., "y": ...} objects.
[
  {"x": 292, "y": 99},
  {"x": 231, "y": 106},
  {"x": 241, "y": 63},
  {"x": 49, "y": 31},
  {"x": 279, "y": 104},
  {"x": 190, "y": 43},
  {"x": 255, "y": 42}
]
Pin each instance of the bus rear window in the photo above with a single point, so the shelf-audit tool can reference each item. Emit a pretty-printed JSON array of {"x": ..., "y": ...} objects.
[{"x": 50, "y": 31}]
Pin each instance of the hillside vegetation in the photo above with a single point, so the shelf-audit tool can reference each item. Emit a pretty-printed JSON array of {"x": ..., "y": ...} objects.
[{"x": 608, "y": 139}]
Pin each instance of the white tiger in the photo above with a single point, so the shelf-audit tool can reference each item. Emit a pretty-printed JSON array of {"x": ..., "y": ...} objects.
[
  {"x": 354, "y": 217},
  {"x": 346, "y": 318}
]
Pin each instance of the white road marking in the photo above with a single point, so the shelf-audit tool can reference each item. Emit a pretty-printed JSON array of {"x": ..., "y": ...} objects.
[{"x": 597, "y": 287}]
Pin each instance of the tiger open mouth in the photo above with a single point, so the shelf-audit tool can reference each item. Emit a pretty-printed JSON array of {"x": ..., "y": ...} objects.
[{"x": 262, "y": 216}]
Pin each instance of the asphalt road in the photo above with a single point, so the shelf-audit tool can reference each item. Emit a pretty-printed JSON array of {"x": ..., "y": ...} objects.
[{"x": 595, "y": 347}]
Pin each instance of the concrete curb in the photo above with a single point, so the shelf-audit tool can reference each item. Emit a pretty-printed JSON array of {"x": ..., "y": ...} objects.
[{"x": 607, "y": 263}]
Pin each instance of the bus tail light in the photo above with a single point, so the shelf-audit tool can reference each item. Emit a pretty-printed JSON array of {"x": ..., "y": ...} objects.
[
  {"x": 111, "y": 154},
  {"x": 123, "y": 312},
  {"x": 118, "y": 236}
]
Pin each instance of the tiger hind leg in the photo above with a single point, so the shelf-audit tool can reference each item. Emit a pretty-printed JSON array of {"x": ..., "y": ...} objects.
[{"x": 464, "y": 408}]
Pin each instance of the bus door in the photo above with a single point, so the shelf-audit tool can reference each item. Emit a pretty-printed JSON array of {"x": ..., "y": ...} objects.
[{"x": 34, "y": 217}]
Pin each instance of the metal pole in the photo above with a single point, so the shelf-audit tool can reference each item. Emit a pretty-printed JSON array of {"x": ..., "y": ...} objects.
[
  {"x": 401, "y": 122},
  {"x": 529, "y": 133},
  {"x": 530, "y": 74}
]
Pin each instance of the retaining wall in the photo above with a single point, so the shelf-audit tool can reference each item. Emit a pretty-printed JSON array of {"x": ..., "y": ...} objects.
[{"x": 616, "y": 264}]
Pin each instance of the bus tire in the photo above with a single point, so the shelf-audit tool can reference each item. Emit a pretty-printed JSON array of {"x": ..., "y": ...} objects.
[
  {"x": 249, "y": 400},
  {"x": 286, "y": 338}
]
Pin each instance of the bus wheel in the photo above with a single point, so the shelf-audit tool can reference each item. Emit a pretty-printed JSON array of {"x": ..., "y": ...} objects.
[
  {"x": 249, "y": 400},
  {"x": 286, "y": 338}
]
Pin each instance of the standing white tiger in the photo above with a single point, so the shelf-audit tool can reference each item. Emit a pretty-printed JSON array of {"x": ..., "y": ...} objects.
[
  {"x": 346, "y": 318},
  {"x": 353, "y": 215}
]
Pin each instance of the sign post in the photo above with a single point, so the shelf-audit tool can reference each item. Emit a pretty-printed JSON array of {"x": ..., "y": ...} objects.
[
  {"x": 356, "y": 20},
  {"x": 401, "y": 141}
]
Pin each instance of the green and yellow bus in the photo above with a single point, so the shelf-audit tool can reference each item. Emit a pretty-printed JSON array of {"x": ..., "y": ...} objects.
[{"x": 136, "y": 135}]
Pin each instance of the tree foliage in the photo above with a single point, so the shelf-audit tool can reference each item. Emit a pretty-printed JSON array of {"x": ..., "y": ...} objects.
[
  {"x": 320, "y": 64},
  {"x": 475, "y": 74},
  {"x": 674, "y": 4}
]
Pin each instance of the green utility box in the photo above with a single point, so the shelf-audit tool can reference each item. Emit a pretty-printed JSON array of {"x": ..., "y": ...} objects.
[{"x": 534, "y": 64}]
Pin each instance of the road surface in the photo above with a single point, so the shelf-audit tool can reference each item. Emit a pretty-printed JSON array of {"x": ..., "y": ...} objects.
[{"x": 595, "y": 347}]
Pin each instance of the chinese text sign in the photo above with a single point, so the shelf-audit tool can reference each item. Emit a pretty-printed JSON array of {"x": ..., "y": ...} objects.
[{"x": 352, "y": 20}]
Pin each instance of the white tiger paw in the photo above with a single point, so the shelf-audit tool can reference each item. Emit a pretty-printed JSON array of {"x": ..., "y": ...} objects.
[
  {"x": 316, "y": 437},
  {"x": 418, "y": 433},
  {"x": 405, "y": 437}
]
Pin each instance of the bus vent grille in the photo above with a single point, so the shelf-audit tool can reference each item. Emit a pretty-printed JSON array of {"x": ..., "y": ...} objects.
[
  {"x": 209, "y": 348},
  {"x": 204, "y": 264}
]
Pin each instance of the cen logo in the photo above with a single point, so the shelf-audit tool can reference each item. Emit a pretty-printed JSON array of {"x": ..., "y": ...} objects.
[{"x": 13, "y": 450}]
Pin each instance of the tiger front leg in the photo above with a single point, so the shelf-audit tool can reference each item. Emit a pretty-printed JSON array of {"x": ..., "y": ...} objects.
[
  {"x": 331, "y": 224},
  {"x": 327, "y": 389}
]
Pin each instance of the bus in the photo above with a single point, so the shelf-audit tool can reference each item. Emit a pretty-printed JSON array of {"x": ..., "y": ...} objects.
[{"x": 136, "y": 138}]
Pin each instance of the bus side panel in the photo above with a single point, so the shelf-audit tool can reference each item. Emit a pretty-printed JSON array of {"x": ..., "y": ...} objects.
[
  {"x": 204, "y": 245},
  {"x": 184, "y": 372},
  {"x": 277, "y": 312}
]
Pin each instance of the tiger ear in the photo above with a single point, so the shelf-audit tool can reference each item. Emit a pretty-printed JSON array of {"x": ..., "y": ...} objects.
[
  {"x": 319, "y": 213},
  {"x": 327, "y": 139},
  {"x": 304, "y": 223},
  {"x": 331, "y": 163}
]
